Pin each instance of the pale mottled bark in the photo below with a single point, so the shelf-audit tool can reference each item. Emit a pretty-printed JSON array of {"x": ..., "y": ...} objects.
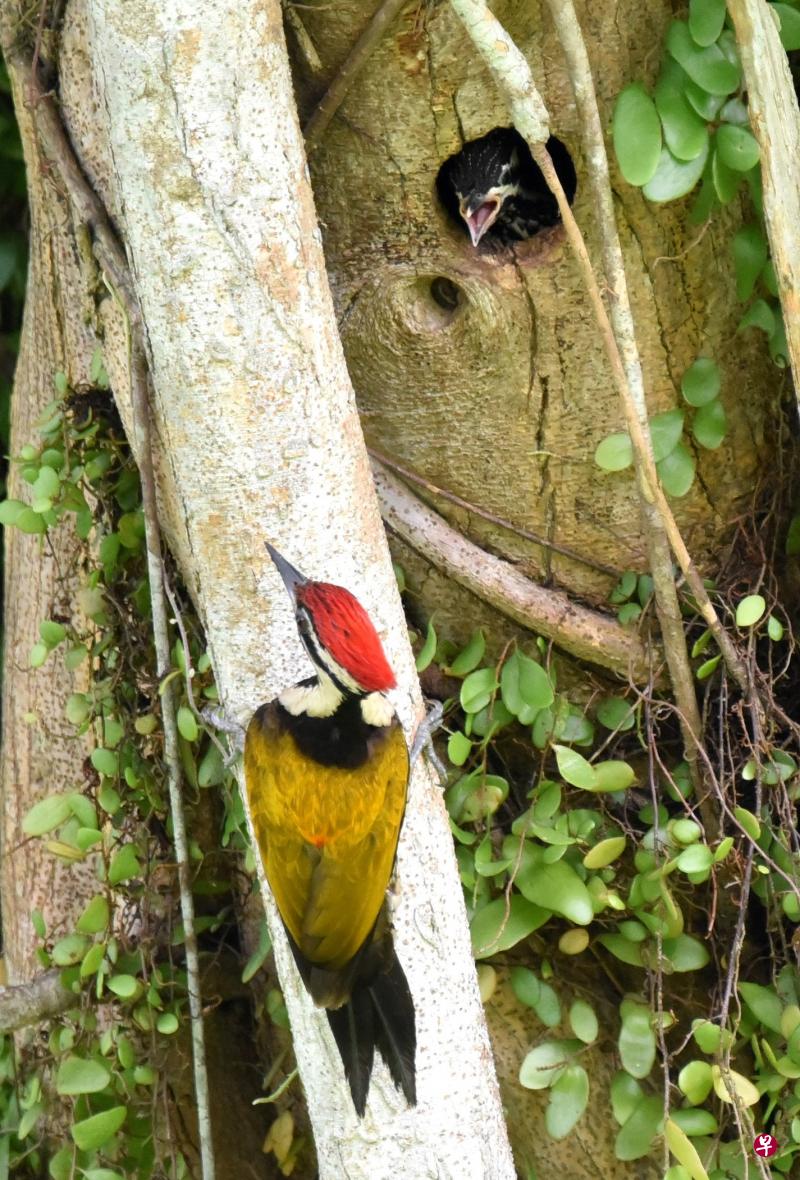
[
  {"x": 774, "y": 115},
  {"x": 194, "y": 143}
]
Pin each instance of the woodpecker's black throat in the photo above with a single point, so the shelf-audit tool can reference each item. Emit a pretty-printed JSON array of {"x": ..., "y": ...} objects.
[{"x": 495, "y": 191}]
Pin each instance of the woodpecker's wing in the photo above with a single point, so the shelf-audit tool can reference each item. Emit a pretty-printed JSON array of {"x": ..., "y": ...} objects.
[{"x": 327, "y": 834}]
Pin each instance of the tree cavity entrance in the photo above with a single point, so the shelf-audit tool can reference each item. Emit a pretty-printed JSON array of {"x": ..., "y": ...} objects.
[{"x": 493, "y": 190}]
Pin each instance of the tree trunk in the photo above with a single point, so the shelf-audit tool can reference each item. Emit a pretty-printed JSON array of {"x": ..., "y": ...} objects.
[{"x": 192, "y": 140}]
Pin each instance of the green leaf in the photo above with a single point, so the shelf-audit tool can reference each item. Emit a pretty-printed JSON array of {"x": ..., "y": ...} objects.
[
  {"x": 69, "y": 950},
  {"x": 708, "y": 67},
  {"x": 45, "y": 815},
  {"x": 526, "y": 687},
  {"x": 701, "y": 382},
  {"x": 726, "y": 180},
  {"x": 105, "y": 761},
  {"x": 525, "y": 986},
  {"x": 167, "y": 1023},
  {"x": 710, "y": 425},
  {"x": 665, "y": 432},
  {"x": 569, "y": 1095},
  {"x": 77, "y": 708},
  {"x": 574, "y": 768},
  {"x": 750, "y": 610},
  {"x": 626, "y": 1094},
  {"x": 545, "y": 1064},
  {"x": 697, "y": 858},
  {"x": 675, "y": 178},
  {"x": 686, "y": 134},
  {"x": 52, "y": 633},
  {"x": 774, "y": 629},
  {"x": 789, "y": 25},
  {"x": 737, "y": 147},
  {"x": 492, "y": 929},
  {"x": 612, "y": 775},
  {"x": 95, "y": 916},
  {"x": 124, "y": 986},
  {"x": 583, "y": 1021},
  {"x": 91, "y": 1133},
  {"x": 706, "y": 18},
  {"x": 707, "y": 105},
  {"x": 764, "y": 1003},
  {"x": 637, "y": 1134},
  {"x": 428, "y": 650},
  {"x": 758, "y": 315},
  {"x": 187, "y": 724},
  {"x": 477, "y": 690},
  {"x": 10, "y": 511},
  {"x": 39, "y": 653},
  {"x": 676, "y": 472},
  {"x": 458, "y": 748},
  {"x": 615, "y": 452},
  {"x": 256, "y": 960},
  {"x": 637, "y": 1040},
  {"x": 468, "y": 659},
  {"x": 557, "y": 887},
  {"x": 621, "y": 948},
  {"x": 685, "y": 953},
  {"x": 77, "y": 1075},
  {"x": 695, "y": 1081},
  {"x": 706, "y": 669},
  {"x": 604, "y": 853},
  {"x": 47, "y": 484},
  {"x": 30, "y": 522},
  {"x": 92, "y": 960},
  {"x": 636, "y": 131},
  {"x": 749, "y": 251},
  {"x": 615, "y": 713},
  {"x": 684, "y": 1151},
  {"x": 124, "y": 865}
]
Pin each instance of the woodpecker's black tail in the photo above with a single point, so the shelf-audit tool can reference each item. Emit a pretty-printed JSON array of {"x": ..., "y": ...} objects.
[{"x": 379, "y": 1015}]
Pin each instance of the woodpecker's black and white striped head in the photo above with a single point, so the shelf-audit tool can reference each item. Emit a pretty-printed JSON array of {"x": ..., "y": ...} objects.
[{"x": 342, "y": 644}]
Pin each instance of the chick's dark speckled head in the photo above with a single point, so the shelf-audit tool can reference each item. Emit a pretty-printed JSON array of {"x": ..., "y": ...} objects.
[{"x": 493, "y": 187}]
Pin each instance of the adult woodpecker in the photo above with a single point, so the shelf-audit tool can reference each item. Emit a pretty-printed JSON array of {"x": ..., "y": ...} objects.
[
  {"x": 493, "y": 187},
  {"x": 326, "y": 772}
]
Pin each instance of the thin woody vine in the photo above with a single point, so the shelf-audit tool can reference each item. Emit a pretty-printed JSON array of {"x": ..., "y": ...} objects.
[{"x": 576, "y": 821}]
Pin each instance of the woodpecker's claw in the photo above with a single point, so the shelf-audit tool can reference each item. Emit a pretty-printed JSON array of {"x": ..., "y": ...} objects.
[
  {"x": 423, "y": 738},
  {"x": 216, "y": 718}
]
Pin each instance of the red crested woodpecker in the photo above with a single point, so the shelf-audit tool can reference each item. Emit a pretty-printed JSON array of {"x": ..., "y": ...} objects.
[{"x": 326, "y": 771}]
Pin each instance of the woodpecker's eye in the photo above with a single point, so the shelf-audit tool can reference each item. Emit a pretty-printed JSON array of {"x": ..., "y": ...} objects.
[{"x": 493, "y": 190}]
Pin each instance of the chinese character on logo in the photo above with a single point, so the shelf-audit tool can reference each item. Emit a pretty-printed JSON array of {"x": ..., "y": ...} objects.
[{"x": 765, "y": 1145}]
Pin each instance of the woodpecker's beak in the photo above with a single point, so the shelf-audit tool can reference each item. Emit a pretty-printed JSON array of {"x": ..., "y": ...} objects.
[
  {"x": 480, "y": 217},
  {"x": 292, "y": 578}
]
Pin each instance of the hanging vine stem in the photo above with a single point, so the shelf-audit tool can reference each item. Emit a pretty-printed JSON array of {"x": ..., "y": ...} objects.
[
  {"x": 515, "y": 80},
  {"x": 113, "y": 265}
]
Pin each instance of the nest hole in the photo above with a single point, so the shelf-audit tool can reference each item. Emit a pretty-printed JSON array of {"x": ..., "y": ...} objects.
[{"x": 493, "y": 191}]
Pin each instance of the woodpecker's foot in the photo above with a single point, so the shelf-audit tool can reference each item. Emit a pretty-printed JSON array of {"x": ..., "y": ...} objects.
[
  {"x": 423, "y": 738},
  {"x": 216, "y": 717}
]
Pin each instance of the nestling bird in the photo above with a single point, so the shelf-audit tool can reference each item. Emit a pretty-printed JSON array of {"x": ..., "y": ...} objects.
[
  {"x": 326, "y": 772},
  {"x": 495, "y": 190}
]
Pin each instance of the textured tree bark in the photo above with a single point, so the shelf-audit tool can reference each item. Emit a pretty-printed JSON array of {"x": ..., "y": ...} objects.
[
  {"x": 40, "y": 752},
  {"x": 503, "y": 397},
  {"x": 772, "y": 103},
  {"x": 192, "y": 139}
]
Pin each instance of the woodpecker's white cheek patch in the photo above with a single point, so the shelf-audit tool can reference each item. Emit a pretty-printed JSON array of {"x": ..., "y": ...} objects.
[
  {"x": 315, "y": 700},
  {"x": 376, "y": 710}
]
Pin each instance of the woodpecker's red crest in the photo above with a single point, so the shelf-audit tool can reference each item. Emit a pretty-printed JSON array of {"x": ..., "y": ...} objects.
[
  {"x": 346, "y": 632},
  {"x": 335, "y": 627}
]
